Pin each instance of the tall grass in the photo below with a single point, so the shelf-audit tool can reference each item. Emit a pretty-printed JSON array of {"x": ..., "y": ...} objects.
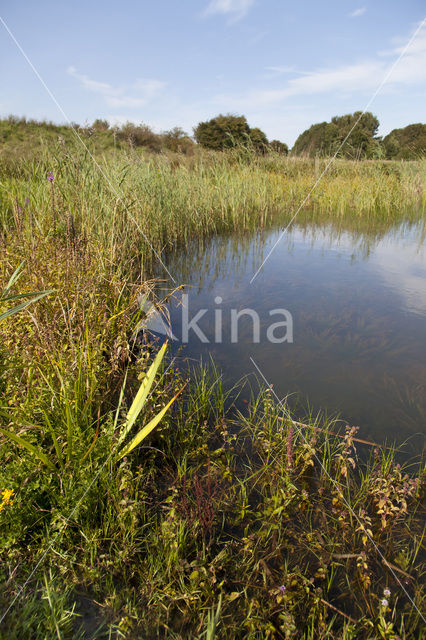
[
  {"x": 219, "y": 524},
  {"x": 134, "y": 198}
]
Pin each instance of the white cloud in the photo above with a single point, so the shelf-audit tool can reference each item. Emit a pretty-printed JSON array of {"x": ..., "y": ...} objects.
[
  {"x": 358, "y": 12},
  {"x": 131, "y": 96},
  {"x": 346, "y": 79},
  {"x": 365, "y": 75},
  {"x": 279, "y": 71},
  {"x": 403, "y": 266},
  {"x": 237, "y": 9}
]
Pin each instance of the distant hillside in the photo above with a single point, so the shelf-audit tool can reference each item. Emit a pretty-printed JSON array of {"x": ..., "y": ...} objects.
[
  {"x": 408, "y": 143},
  {"x": 26, "y": 138}
]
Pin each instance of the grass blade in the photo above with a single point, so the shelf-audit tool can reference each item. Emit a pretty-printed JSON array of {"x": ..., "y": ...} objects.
[
  {"x": 21, "y": 306},
  {"x": 31, "y": 448},
  {"x": 142, "y": 394},
  {"x": 143, "y": 433}
]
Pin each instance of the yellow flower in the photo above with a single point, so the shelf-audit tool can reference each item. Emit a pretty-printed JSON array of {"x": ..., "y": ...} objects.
[{"x": 7, "y": 495}]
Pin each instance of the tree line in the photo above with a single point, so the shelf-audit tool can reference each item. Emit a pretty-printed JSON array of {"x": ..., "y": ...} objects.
[{"x": 351, "y": 136}]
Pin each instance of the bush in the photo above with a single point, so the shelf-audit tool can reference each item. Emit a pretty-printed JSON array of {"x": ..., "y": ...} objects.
[
  {"x": 225, "y": 132},
  {"x": 408, "y": 143},
  {"x": 258, "y": 140},
  {"x": 326, "y": 138},
  {"x": 100, "y": 125},
  {"x": 139, "y": 136},
  {"x": 278, "y": 147},
  {"x": 222, "y": 132},
  {"x": 177, "y": 140}
]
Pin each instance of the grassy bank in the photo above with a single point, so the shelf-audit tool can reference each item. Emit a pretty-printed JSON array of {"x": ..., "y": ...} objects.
[
  {"x": 221, "y": 524},
  {"x": 132, "y": 197}
]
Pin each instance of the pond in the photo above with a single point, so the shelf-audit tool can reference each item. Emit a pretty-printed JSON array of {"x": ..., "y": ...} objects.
[{"x": 352, "y": 340}]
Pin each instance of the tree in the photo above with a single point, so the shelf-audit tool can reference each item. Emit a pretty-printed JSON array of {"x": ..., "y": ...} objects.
[
  {"x": 222, "y": 132},
  {"x": 258, "y": 140},
  {"x": 319, "y": 139},
  {"x": 408, "y": 143},
  {"x": 177, "y": 140},
  {"x": 225, "y": 132},
  {"x": 352, "y": 136},
  {"x": 139, "y": 136},
  {"x": 100, "y": 125},
  {"x": 279, "y": 147},
  {"x": 356, "y": 132}
]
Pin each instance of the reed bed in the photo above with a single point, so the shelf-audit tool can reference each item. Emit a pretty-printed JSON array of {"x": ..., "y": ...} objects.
[
  {"x": 223, "y": 524},
  {"x": 131, "y": 198}
]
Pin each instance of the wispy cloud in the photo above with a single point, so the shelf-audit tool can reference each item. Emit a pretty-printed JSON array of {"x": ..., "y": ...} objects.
[
  {"x": 275, "y": 71},
  {"x": 345, "y": 79},
  {"x": 131, "y": 96},
  {"x": 279, "y": 71},
  {"x": 236, "y": 9},
  {"x": 358, "y": 12}
]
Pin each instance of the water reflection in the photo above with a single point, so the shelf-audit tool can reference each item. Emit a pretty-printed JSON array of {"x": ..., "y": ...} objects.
[{"x": 358, "y": 299}]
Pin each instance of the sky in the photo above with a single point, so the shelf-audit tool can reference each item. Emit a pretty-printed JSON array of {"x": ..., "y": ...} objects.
[{"x": 284, "y": 65}]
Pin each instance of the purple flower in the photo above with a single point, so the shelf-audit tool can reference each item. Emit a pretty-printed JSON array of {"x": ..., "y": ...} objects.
[
  {"x": 50, "y": 176},
  {"x": 27, "y": 201},
  {"x": 384, "y": 602},
  {"x": 282, "y": 588}
]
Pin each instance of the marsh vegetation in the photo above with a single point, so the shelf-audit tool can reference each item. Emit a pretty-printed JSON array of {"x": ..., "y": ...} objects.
[{"x": 224, "y": 523}]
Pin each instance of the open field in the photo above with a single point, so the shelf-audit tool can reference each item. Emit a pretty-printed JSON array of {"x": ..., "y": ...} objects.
[{"x": 224, "y": 525}]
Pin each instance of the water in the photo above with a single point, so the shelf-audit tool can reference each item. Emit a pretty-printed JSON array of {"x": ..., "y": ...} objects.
[{"x": 358, "y": 303}]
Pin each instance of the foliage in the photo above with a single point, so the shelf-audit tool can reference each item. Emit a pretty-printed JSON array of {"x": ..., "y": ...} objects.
[
  {"x": 221, "y": 523},
  {"x": 227, "y": 131},
  {"x": 279, "y": 147},
  {"x": 20, "y": 137},
  {"x": 274, "y": 532},
  {"x": 354, "y": 133},
  {"x": 258, "y": 140},
  {"x": 100, "y": 125},
  {"x": 68, "y": 450},
  {"x": 407, "y": 144},
  {"x": 7, "y": 297},
  {"x": 178, "y": 141},
  {"x": 139, "y": 136}
]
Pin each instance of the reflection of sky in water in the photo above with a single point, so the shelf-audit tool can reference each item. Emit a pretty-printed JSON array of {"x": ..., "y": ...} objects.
[
  {"x": 404, "y": 271},
  {"x": 359, "y": 308}
]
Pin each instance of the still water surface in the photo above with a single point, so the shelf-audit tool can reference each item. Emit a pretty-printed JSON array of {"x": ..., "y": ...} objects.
[{"x": 358, "y": 302}]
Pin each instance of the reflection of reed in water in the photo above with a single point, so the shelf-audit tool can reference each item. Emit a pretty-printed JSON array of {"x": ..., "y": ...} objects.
[
  {"x": 408, "y": 401},
  {"x": 348, "y": 335},
  {"x": 209, "y": 258}
]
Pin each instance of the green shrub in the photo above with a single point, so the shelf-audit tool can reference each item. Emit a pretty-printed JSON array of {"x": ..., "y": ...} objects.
[{"x": 225, "y": 132}]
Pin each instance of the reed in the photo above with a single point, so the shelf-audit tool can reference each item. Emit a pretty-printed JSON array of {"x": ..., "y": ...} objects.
[
  {"x": 131, "y": 199},
  {"x": 218, "y": 523}
]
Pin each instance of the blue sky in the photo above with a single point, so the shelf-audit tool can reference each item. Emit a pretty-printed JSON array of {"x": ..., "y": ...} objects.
[{"x": 285, "y": 65}]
